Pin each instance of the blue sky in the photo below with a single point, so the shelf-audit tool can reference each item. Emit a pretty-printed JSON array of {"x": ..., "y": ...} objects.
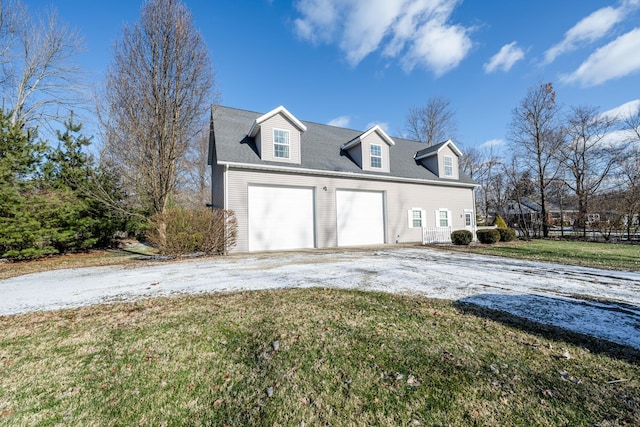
[{"x": 356, "y": 63}]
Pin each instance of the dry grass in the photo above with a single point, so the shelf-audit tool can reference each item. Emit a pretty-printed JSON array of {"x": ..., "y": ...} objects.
[
  {"x": 95, "y": 258},
  {"x": 304, "y": 357},
  {"x": 586, "y": 254}
]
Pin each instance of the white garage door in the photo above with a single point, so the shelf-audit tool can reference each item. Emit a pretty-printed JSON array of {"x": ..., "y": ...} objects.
[
  {"x": 360, "y": 217},
  {"x": 280, "y": 218}
]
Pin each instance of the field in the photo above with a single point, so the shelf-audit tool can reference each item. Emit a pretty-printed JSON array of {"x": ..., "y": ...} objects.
[
  {"x": 306, "y": 357},
  {"x": 586, "y": 254}
]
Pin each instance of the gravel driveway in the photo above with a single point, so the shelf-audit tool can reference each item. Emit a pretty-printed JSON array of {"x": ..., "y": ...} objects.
[{"x": 600, "y": 303}]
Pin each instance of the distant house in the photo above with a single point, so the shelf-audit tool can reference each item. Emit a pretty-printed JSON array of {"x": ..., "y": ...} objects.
[
  {"x": 296, "y": 184},
  {"x": 527, "y": 212}
]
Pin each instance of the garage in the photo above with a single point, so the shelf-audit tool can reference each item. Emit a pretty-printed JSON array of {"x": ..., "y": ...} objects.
[
  {"x": 280, "y": 218},
  {"x": 360, "y": 217}
]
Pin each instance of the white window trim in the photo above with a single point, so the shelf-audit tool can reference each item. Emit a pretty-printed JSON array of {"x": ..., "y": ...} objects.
[
  {"x": 288, "y": 144},
  {"x": 449, "y": 218},
  {"x": 371, "y": 156},
  {"x": 410, "y": 217},
  {"x": 445, "y": 166},
  {"x": 470, "y": 213}
]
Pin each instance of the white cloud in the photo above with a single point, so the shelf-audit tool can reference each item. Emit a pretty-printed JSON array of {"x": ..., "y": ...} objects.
[
  {"x": 591, "y": 28},
  {"x": 417, "y": 32},
  {"x": 439, "y": 48},
  {"x": 492, "y": 143},
  {"x": 614, "y": 60},
  {"x": 625, "y": 110},
  {"x": 320, "y": 20},
  {"x": 341, "y": 122},
  {"x": 508, "y": 55}
]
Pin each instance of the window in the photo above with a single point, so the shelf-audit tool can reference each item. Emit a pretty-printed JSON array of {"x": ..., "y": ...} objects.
[
  {"x": 376, "y": 156},
  {"x": 448, "y": 166},
  {"x": 443, "y": 216},
  {"x": 281, "y": 143},
  {"x": 467, "y": 219},
  {"x": 416, "y": 218}
]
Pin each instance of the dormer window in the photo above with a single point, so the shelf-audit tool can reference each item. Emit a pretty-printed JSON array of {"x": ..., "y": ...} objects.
[
  {"x": 448, "y": 166},
  {"x": 442, "y": 159},
  {"x": 277, "y": 136},
  {"x": 370, "y": 150},
  {"x": 376, "y": 156},
  {"x": 281, "y": 143}
]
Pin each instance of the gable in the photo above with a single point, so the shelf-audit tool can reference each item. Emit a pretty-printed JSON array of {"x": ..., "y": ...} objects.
[
  {"x": 277, "y": 136},
  {"x": 371, "y": 150},
  {"x": 273, "y": 128}
]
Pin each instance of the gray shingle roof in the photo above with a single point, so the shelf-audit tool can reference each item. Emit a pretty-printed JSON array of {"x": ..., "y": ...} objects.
[
  {"x": 320, "y": 148},
  {"x": 429, "y": 150}
]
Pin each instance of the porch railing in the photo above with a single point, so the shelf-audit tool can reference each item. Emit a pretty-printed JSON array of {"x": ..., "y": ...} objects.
[{"x": 436, "y": 235}]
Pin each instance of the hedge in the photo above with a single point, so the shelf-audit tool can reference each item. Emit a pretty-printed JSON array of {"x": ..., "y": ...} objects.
[
  {"x": 488, "y": 236},
  {"x": 461, "y": 237}
]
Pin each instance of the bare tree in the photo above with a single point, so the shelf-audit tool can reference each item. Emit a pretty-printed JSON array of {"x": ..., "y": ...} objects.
[
  {"x": 629, "y": 173},
  {"x": 587, "y": 155},
  {"x": 630, "y": 183},
  {"x": 157, "y": 93},
  {"x": 632, "y": 123},
  {"x": 10, "y": 16},
  {"x": 40, "y": 80},
  {"x": 432, "y": 123},
  {"x": 536, "y": 138},
  {"x": 482, "y": 165},
  {"x": 516, "y": 187},
  {"x": 194, "y": 183}
]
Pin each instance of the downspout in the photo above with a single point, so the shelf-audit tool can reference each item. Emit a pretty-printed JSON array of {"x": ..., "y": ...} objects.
[
  {"x": 225, "y": 184},
  {"x": 225, "y": 203},
  {"x": 474, "y": 228}
]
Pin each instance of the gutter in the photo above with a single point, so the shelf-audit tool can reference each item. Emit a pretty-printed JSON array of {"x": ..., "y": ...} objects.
[{"x": 341, "y": 174}]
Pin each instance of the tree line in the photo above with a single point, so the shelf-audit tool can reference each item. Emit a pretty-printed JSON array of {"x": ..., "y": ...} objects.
[
  {"x": 577, "y": 158},
  {"x": 60, "y": 192}
]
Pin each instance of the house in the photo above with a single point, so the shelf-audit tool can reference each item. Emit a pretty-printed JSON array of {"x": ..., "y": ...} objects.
[
  {"x": 295, "y": 184},
  {"x": 527, "y": 212}
]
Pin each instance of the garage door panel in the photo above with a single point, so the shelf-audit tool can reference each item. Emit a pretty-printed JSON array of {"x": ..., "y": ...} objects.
[
  {"x": 280, "y": 218},
  {"x": 360, "y": 217}
]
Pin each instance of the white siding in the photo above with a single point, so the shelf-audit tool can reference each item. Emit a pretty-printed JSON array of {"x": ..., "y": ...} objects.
[
  {"x": 400, "y": 197},
  {"x": 446, "y": 151}
]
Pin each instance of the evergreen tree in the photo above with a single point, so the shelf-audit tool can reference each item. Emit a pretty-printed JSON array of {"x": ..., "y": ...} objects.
[
  {"x": 20, "y": 158},
  {"x": 46, "y": 202}
]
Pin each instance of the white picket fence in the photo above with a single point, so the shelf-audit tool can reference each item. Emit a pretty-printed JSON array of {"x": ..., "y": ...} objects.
[{"x": 436, "y": 235}]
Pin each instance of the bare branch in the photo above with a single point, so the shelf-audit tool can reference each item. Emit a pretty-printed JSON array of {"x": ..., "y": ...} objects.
[
  {"x": 157, "y": 95},
  {"x": 432, "y": 123},
  {"x": 536, "y": 138},
  {"x": 587, "y": 155},
  {"x": 42, "y": 79}
]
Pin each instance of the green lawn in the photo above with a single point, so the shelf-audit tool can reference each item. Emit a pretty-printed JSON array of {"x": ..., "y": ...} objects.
[
  {"x": 588, "y": 254},
  {"x": 305, "y": 357}
]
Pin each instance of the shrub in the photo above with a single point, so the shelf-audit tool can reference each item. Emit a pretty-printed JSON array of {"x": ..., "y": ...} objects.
[
  {"x": 507, "y": 234},
  {"x": 461, "y": 237},
  {"x": 488, "y": 236},
  {"x": 193, "y": 230},
  {"x": 500, "y": 223}
]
